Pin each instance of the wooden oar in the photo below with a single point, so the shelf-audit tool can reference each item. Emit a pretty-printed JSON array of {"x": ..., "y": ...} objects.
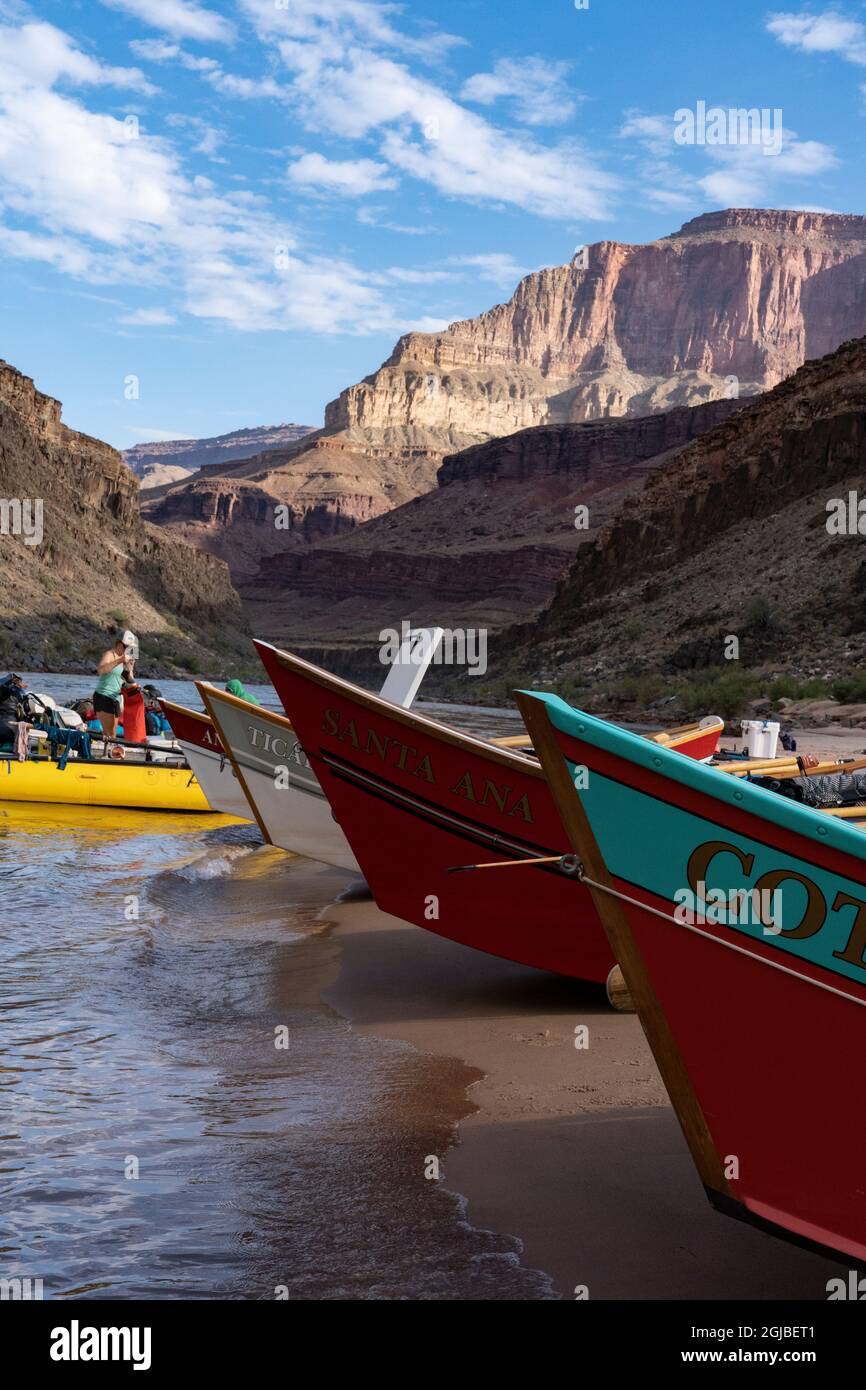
[
  {"x": 664, "y": 737},
  {"x": 753, "y": 764},
  {"x": 822, "y": 769},
  {"x": 786, "y": 768},
  {"x": 846, "y": 812},
  {"x": 561, "y": 859}
]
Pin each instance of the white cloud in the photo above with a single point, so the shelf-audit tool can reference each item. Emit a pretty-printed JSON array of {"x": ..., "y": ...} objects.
[
  {"x": 352, "y": 177},
  {"x": 655, "y": 132},
  {"x": 333, "y": 24},
  {"x": 148, "y": 318},
  {"x": 181, "y": 18},
  {"x": 119, "y": 210},
  {"x": 63, "y": 253},
  {"x": 744, "y": 177},
  {"x": 537, "y": 88},
  {"x": 208, "y": 138},
  {"x": 664, "y": 183},
  {"x": 344, "y": 82},
  {"x": 41, "y": 54},
  {"x": 830, "y": 32},
  {"x": 428, "y": 324},
  {"x": 497, "y": 267},
  {"x": 247, "y": 88},
  {"x": 370, "y": 217},
  {"x": 406, "y": 275},
  {"x": 154, "y": 50},
  {"x": 747, "y": 178},
  {"x": 342, "y": 86},
  {"x": 227, "y": 83}
]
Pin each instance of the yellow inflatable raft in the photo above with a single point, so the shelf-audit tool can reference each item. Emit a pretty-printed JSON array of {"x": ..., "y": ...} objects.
[{"x": 136, "y": 786}]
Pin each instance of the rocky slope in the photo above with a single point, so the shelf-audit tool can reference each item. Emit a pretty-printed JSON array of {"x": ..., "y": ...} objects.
[
  {"x": 730, "y": 538},
  {"x": 172, "y": 460},
  {"x": 486, "y": 545},
  {"x": 282, "y": 501},
  {"x": 733, "y": 302},
  {"x": 96, "y": 565}
]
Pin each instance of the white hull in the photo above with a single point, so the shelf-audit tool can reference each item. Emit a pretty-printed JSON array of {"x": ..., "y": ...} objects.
[
  {"x": 290, "y": 806},
  {"x": 298, "y": 819},
  {"x": 215, "y": 775}
]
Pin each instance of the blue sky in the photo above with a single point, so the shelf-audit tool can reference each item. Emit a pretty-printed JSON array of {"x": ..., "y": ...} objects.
[{"x": 244, "y": 204}]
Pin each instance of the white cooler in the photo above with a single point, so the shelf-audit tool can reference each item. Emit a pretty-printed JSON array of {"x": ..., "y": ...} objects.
[{"x": 761, "y": 736}]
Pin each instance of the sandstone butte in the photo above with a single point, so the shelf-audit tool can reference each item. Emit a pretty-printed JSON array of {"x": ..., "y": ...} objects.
[
  {"x": 99, "y": 562},
  {"x": 735, "y": 300}
]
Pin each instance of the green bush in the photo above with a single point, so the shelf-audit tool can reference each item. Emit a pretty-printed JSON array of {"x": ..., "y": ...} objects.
[
  {"x": 760, "y": 614},
  {"x": 815, "y": 689},
  {"x": 850, "y": 690},
  {"x": 784, "y": 688},
  {"x": 722, "y": 692},
  {"x": 637, "y": 689}
]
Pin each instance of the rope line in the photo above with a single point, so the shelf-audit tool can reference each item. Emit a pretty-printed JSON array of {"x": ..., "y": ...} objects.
[{"x": 717, "y": 940}]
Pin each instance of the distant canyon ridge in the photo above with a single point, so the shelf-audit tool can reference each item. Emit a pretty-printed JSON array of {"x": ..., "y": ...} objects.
[{"x": 172, "y": 460}]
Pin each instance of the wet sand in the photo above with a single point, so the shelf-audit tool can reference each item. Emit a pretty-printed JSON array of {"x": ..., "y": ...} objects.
[{"x": 576, "y": 1152}]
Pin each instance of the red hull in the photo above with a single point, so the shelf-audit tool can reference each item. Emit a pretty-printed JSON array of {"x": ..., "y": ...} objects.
[
  {"x": 703, "y": 746},
  {"x": 406, "y": 830},
  {"x": 191, "y": 727},
  {"x": 767, "y": 1040}
]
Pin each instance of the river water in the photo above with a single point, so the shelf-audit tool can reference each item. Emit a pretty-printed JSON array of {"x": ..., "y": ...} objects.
[{"x": 182, "y": 1117}]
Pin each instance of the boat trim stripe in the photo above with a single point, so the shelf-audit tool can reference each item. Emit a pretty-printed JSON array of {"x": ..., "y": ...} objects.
[
  {"x": 717, "y": 940},
  {"x": 426, "y": 810}
]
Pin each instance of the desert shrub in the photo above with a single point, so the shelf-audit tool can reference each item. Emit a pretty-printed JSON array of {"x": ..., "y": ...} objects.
[
  {"x": 760, "y": 615},
  {"x": 816, "y": 688},
  {"x": 784, "y": 687},
  {"x": 850, "y": 689},
  {"x": 638, "y": 689},
  {"x": 722, "y": 692}
]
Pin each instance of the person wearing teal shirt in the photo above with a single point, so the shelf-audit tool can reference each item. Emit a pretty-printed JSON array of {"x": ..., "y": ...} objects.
[{"x": 106, "y": 696}]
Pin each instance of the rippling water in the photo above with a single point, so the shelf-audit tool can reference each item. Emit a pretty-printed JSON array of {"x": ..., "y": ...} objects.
[{"x": 155, "y": 1141}]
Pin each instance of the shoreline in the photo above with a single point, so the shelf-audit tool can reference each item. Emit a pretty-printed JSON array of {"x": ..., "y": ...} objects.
[{"x": 573, "y": 1151}]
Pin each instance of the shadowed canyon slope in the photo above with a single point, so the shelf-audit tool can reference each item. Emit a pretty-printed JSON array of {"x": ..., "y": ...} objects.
[
  {"x": 729, "y": 537},
  {"x": 488, "y": 544},
  {"x": 735, "y": 300},
  {"x": 97, "y": 565}
]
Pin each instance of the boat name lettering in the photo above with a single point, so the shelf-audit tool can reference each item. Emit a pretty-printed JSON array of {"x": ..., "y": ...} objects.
[
  {"x": 388, "y": 750},
  {"x": 267, "y": 742},
  {"x": 502, "y": 797},
  {"x": 815, "y": 910},
  {"x": 405, "y": 758}
]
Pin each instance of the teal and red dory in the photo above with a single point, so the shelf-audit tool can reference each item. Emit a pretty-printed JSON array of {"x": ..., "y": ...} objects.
[{"x": 738, "y": 918}]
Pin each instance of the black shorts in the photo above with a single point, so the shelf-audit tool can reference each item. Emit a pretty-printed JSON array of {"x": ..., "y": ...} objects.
[{"x": 103, "y": 704}]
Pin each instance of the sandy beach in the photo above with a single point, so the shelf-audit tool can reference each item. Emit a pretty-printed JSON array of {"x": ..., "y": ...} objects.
[{"x": 573, "y": 1150}]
